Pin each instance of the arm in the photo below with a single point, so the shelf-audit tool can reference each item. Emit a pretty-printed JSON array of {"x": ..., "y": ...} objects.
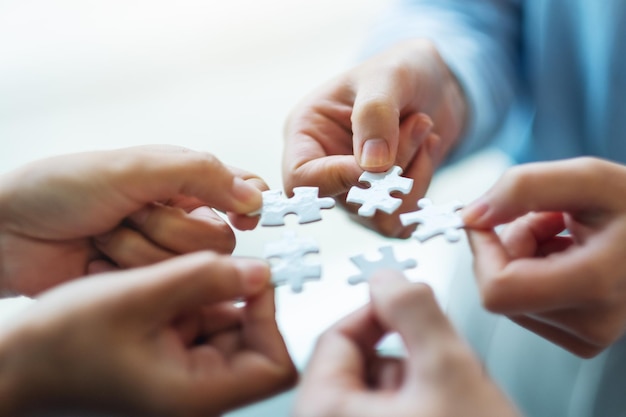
[
  {"x": 160, "y": 340},
  {"x": 478, "y": 40}
]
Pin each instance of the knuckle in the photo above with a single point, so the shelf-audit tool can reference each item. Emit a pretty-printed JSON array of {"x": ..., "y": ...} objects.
[
  {"x": 374, "y": 106},
  {"x": 519, "y": 180},
  {"x": 588, "y": 164}
]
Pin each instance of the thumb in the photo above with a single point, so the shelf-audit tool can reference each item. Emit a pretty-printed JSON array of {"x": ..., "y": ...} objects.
[
  {"x": 194, "y": 280},
  {"x": 376, "y": 126},
  {"x": 409, "y": 309},
  {"x": 160, "y": 173}
]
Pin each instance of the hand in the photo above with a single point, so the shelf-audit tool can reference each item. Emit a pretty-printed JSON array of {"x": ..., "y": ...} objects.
[
  {"x": 402, "y": 107},
  {"x": 160, "y": 340},
  {"x": 69, "y": 216},
  {"x": 439, "y": 377},
  {"x": 570, "y": 289}
]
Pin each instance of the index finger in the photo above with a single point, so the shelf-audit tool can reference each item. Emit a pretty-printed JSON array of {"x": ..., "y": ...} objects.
[
  {"x": 570, "y": 185},
  {"x": 340, "y": 351},
  {"x": 531, "y": 285},
  {"x": 148, "y": 174}
]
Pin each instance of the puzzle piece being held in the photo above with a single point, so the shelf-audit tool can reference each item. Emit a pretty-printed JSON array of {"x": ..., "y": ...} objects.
[
  {"x": 305, "y": 203},
  {"x": 290, "y": 266},
  {"x": 387, "y": 261},
  {"x": 435, "y": 220},
  {"x": 377, "y": 196}
]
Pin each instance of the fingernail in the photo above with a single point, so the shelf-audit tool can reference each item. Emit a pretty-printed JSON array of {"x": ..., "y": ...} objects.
[
  {"x": 255, "y": 274},
  {"x": 247, "y": 195},
  {"x": 375, "y": 154},
  {"x": 472, "y": 213}
]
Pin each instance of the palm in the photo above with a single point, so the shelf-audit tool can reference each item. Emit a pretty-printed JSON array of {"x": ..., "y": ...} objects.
[{"x": 36, "y": 265}]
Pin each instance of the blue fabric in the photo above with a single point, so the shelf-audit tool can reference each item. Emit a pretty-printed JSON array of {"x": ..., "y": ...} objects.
[
  {"x": 563, "y": 62},
  {"x": 548, "y": 76}
]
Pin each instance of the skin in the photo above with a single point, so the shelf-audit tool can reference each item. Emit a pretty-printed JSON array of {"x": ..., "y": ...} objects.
[
  {"x": 162, "y": 340},
  {"x": 74, "y": 215},
  {"x": 569, "y": 289},
  {"x": 401, "y": 107},
  {"x": 439, "y": 375}
]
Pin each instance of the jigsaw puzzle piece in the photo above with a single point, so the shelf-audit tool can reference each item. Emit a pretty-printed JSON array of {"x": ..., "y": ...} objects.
[
  {"x": 377, "y": 196},
  {"x": 304, "y": 203},
  {"x": 435, "y": 220},
  {"x": 386, "y": 261},
  {"x": 290, "y": 266}
]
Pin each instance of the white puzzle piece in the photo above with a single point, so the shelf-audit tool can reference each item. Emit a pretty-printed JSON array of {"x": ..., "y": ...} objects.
[
  {"x": 435, "y": 220},
  {"x": 291, "y": 266},
  {"x": 387, "y": 261},
  {"x": 377, "y": 196},
  {"x": 305, "y": 203}
]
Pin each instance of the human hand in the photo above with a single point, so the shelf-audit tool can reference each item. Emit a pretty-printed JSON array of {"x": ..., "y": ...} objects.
[
  {"x": 402, "y": 107},
  {"x": 160, "y": 340},
  {"x": 439, "y": 377},
  {"x": 68, "y": 216},
  {"x": 569, "y": 289}
]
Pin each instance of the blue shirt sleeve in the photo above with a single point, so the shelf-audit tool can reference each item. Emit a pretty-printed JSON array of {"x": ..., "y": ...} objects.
[{"x": 480, "y": 42}]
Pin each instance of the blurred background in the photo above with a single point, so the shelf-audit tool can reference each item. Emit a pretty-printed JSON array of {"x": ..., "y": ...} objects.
[{"x": 80, "y": 75}]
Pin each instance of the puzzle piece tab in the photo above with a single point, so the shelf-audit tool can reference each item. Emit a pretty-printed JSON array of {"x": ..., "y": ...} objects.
[
  {"x": 387, "y": 261},
  {"x": 435, "y": 220},
  {"x": 305, "y": 203},
  {"x": 291, "y": 267},
  {"x": 377, "y": 196}
]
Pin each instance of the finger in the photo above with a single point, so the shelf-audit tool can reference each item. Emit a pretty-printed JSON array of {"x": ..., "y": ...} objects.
[
  {"x": 194, "y": 280},
  {"x": 199, "y": 324},
  {"x": 228, "y": 343},
  {"x": 411, "y": 310},
  {"x": 220, "y": 317},
  {"x": 161, "y": 173},
  {"x": 599, "y": 326},
  {"x": 128, "y": 248},
  {"x": 571, "y": 185},
  {"x": 558, "y": 336},
  {"x": 179, "y": 232},
  {"x": 318, "y": 142},
  {"x": 378, "y": 105},
  {"x": 100, "y": 266},
  {"x": 518, "y": 286},
  {"x": 386, "y": 373},
  {"x": 333, "y": 174},
  {"x": 258, "y": 363},
  {"x": 414, "y": 131},
  {"x": 340, "y": 353},
  {"x": 260, "y": 330},
  {"x": 522, "y": 237},
  {"x": 420, "y": 169}
]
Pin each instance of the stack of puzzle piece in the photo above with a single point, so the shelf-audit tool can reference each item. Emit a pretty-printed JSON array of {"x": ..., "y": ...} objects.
[{"x": 289, "y": 265}]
